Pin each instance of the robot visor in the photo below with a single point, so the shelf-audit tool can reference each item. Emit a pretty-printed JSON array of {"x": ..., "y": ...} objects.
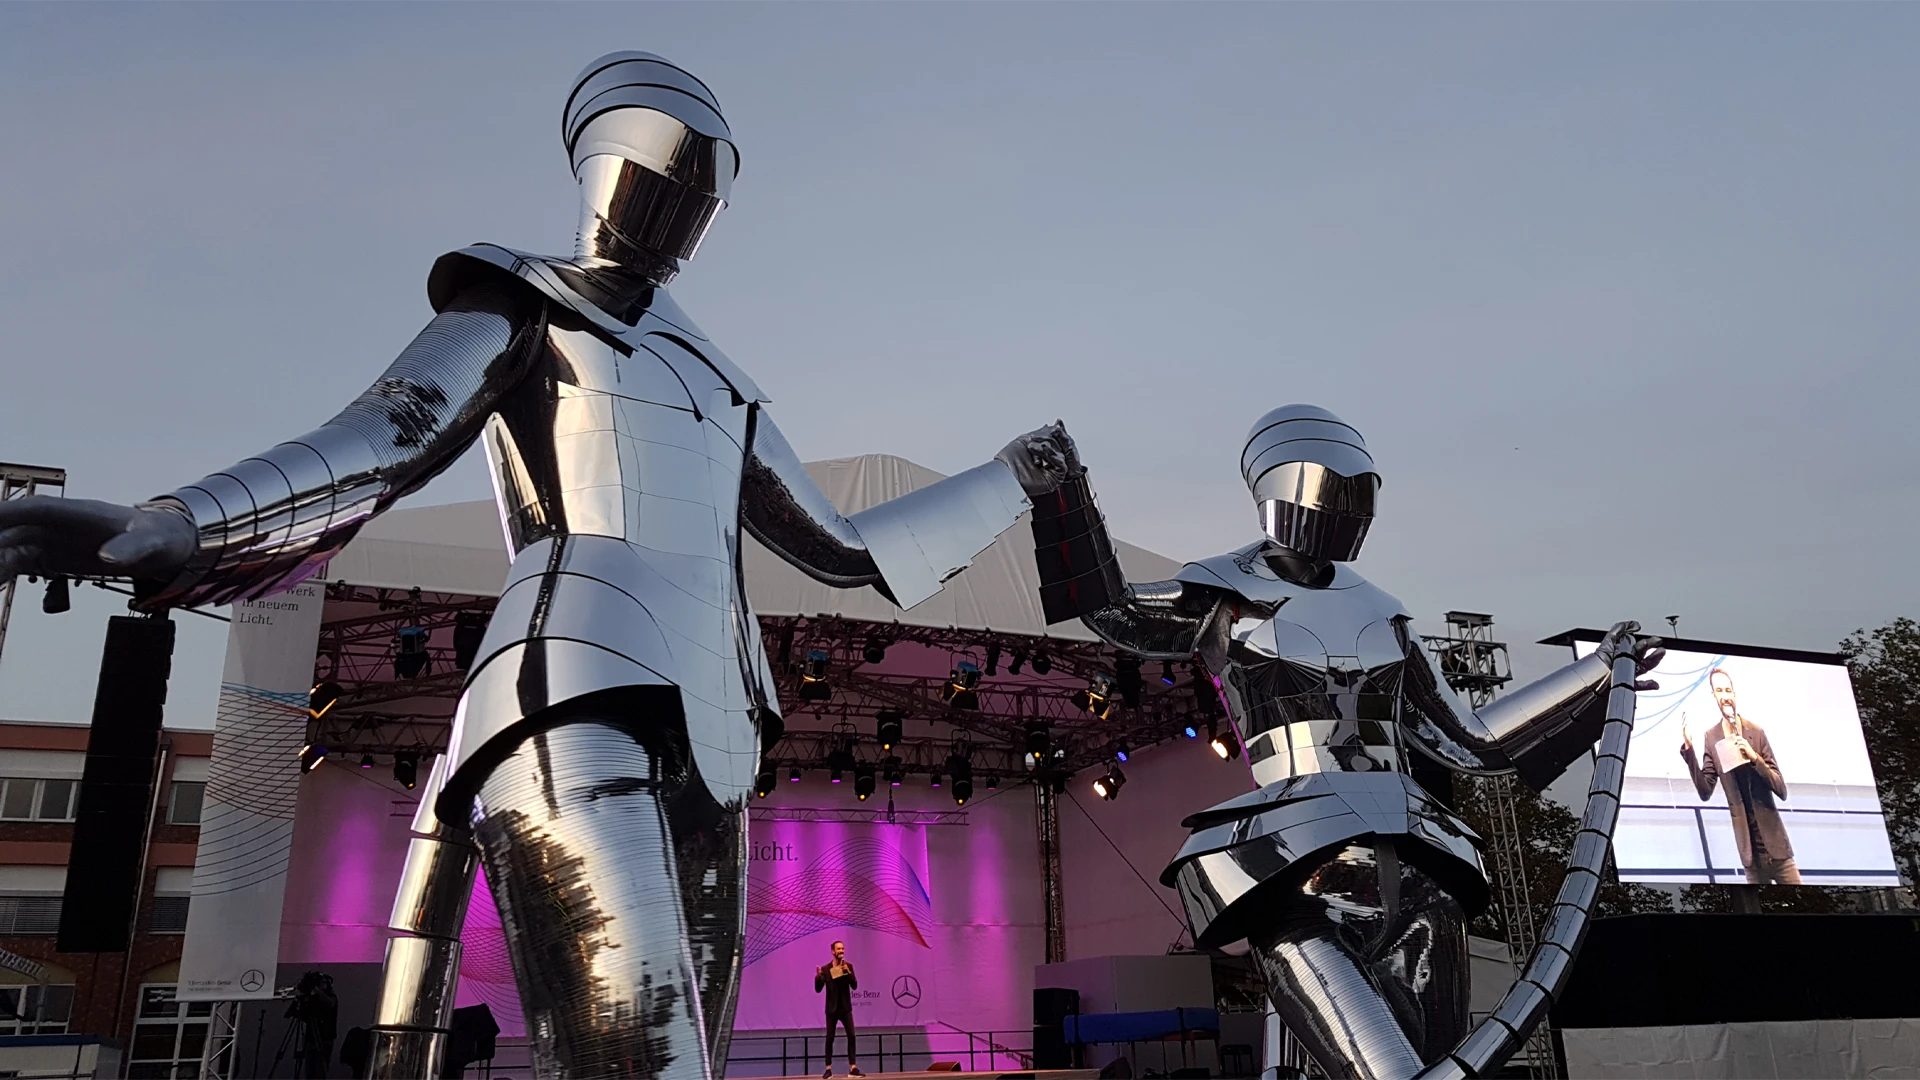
[
  {"x": 654, "y": 140},
  {"x": 1316, "y": 487}
]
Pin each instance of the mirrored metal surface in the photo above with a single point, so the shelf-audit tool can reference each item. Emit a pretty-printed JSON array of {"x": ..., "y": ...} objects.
[{"x": 1332, "y": 692}]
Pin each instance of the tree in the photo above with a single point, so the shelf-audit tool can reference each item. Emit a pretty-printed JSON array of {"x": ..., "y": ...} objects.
[
  {"x": 1546, "y": 831},
  {"x": 1885, "y": 665}
]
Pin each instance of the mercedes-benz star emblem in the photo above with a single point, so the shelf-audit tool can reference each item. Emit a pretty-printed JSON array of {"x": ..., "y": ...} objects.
[
  {"x": 252, "y": 979},
  {"x": 906, "y": 991}
]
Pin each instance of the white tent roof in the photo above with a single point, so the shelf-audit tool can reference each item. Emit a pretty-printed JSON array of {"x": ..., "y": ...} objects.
[{"x": 459, "y": 548}]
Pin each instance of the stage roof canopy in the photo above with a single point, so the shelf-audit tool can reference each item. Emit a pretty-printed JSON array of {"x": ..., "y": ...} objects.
[{"x": 459, "y": 548}]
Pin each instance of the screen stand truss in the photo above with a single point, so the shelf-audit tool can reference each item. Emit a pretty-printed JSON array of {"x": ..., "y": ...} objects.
[{"x": 219, "y": 1052}]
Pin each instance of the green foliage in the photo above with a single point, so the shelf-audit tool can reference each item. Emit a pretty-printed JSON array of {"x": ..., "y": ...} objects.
[{"x": 1886, "y": 682}]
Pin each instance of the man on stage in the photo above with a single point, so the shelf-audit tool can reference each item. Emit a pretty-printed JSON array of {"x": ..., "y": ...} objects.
[
  {"x": 838, "y": 982},
  {"x": 1738, "y": 749}
]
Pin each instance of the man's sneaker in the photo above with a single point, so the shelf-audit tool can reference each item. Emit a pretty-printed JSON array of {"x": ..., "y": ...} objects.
[
  {"x": 854, "y": 1070},
  {"x": 828, "y": 1075}
]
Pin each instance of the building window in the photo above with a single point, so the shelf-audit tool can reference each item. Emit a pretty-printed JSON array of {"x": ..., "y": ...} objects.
[
  {"x": 168, "y": 1035},
  {"x": 169, "y": 915},
  {"x": 183, "y": 806},
  {"x": 37, "y": 800},
  {"x": 35, "y": 1010},
  {"x": 31, "y": 914}
]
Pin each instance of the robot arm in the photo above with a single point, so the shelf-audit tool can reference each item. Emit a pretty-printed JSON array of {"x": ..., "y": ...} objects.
[
  {"x": 1158, "y": 620},
  {"x": 272, "y": 520},
  {"x": 905, "y": 547},
  {"x": 1535, "y": 731}
]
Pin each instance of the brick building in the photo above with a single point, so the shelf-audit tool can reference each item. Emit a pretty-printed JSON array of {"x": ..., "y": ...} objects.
[{"x": 124, "y": 996}]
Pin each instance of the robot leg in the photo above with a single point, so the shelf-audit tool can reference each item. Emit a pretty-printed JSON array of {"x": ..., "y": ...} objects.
[
  {"x": 415, "y": 1013},
  {"x": 575, "y": 828},
  {"x": 1371, "y": 975}
]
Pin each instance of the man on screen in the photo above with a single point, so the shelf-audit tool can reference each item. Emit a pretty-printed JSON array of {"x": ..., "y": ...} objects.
[
  {"x": 1738, "y": 751},
  {"x": 838, "y": 982}
]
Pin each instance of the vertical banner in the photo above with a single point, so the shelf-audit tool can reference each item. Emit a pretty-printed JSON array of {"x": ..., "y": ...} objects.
[
  {"x": 812, "y": 883},
  {"x": 246, "y": 825}
]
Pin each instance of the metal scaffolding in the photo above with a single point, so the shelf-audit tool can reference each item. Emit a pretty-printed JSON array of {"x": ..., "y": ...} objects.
[
  {"x": 19, "y": 481},
  {"x": 1476, "y": 665},
  {"x": 1047, "y": 809}
]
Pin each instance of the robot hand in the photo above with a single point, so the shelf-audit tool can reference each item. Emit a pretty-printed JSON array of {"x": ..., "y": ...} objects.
[
  {"x": 43, "y": 535},
  {"x": 1042, "y": 460},
  {"x": 1622, "y": 640}
]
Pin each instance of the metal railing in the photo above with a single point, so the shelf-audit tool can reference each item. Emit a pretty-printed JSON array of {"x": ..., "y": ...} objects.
[{"x": 797, "y": 1054}]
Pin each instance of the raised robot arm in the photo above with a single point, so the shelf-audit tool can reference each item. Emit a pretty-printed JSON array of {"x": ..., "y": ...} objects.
[
  {"x": 271, "y": 521},
  {"x": 906, "y": 547},
  {"x": 1535, "y": 731}
]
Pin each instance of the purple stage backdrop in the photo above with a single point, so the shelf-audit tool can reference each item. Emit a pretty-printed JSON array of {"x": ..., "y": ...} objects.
[
  {"x": 813, "y": 883},
  {"x": 943, "y": 923}
]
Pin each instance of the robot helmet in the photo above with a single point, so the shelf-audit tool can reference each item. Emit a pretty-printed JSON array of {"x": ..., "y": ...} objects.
[
  {"x": 654, "y": 157},
  {"x": 1313, "y": 480}
]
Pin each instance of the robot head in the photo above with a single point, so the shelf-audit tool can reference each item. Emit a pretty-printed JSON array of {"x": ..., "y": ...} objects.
[
  {"x": 653, "y": 156},
  {"x": 1313, "y": 480}
]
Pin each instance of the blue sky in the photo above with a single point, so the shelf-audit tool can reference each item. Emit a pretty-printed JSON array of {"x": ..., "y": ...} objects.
[{"x": 1621, "y": 295}]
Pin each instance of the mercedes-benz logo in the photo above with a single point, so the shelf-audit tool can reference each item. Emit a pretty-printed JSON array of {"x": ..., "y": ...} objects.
[
  {"x": 252, "y": 979},
  {"x": 906, "y": 991}
]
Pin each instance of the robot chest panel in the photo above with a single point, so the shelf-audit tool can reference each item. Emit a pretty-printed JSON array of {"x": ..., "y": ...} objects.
[{"x": 645, "y": 446}]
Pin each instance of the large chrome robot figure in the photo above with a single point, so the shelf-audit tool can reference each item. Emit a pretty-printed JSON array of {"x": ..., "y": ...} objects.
[
  {"x": 610, "y": 729},
  {"x": 1352, "y": 886}
]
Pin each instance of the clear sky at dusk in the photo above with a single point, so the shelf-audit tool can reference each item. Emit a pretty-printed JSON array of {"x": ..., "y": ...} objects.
[{"x": 1621, "y": 295}]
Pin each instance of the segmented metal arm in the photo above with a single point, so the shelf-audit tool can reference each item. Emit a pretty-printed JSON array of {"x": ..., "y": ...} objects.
[
  {"x": 904, "y": 547},
  {"x": 272, "y": 520},
  {"x": 1537, "y": 730},
  {"x": 1156, "y": 620}
]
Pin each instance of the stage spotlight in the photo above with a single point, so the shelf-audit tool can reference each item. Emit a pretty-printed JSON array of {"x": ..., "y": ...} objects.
[
  {"x": 1042, "y": 664},
  {"x": 813, "y": 678},
  {"x": 863, "y": 781},
  {"x": 936, "y": 780},
  {"x": 469, "y": 630},
  {"x": 410, "y": 660},
  {"x": 875, "y": 651},
  {"x": 1206, "y": 693},
  {"x": 1108, "y": 786},
  {"x": 959, "y": 691},
  {"x": 1038, "y": 739},
  {"x": 993, "y": 783},
  {"x": 1121, "y": 752},
  {"x": 962, "y": 769},
  {"x": 366, "y": 761},
  {"x": 1059, "y": 785},
  {"x": 1166, "y": 672},
  {"x": 321, "y": 698},
  {"x": 1097, "y": 698},
  {"x": 1019, "y": 661},
  {"x": 1227, "y": 746},
  {"x": 1126, "y": 670},
  {"x": 59, "y": 598},
  {"x": 894, "y": 775},
  {"x": 311, "y": 755},
  {"x": 793, "y": 776},
  {"x": 840, "y": 761},
  {"x": 993, "y": 660},
  {"x": 888, "y": 728},
  {"x": 1190, "y": 731},
  {"x": 763, "y": 784}
]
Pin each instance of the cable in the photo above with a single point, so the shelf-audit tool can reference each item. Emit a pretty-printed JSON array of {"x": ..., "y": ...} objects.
[
  {"x": 1181, "y": 919},
  {"x": 191, "y": 611}
]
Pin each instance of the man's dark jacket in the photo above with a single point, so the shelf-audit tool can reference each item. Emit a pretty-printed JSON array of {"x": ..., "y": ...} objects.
[
  {"x": 839, "y": 990},
  {"x": 1751, "y": 789}
]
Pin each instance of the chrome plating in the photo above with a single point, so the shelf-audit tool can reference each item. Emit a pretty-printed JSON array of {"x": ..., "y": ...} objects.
[
  {"x": 627, "y": 452},
  {"x": 1352, "y": 885}
]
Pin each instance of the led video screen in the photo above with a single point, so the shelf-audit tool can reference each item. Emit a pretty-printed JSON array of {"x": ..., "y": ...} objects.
[{"x": 1748, "y": 766}]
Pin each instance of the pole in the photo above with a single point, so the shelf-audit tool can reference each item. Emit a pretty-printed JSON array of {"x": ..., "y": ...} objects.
[{"x": 140, "y": 883}]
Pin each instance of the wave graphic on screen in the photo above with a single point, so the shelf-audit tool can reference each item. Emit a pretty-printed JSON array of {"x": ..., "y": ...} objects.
[{"x": 865, "y": 882}]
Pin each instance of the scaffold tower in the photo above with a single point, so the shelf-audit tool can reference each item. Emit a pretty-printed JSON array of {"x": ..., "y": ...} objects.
[
  {"x": 19, "y": 481},
  {"x": 1475, "y": 664}
]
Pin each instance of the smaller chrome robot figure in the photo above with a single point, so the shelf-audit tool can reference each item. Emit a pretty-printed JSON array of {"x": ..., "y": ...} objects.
[{"x": 1351, "y": 884}]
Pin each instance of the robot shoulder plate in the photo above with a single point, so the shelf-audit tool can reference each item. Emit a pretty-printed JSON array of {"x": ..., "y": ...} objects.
[{"x": 548, "y": 277}]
